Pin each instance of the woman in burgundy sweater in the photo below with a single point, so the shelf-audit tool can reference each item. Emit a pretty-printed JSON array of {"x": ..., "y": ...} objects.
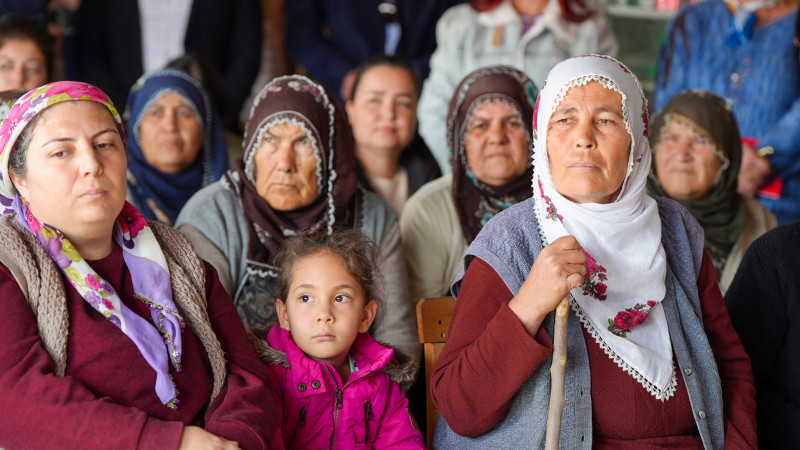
[
  {"x": 114, "y": 333},
  {"x": 652, "y": 360}
]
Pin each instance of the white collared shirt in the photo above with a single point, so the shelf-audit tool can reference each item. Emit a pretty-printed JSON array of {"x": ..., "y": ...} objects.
[{"x": 163, "y": 29}]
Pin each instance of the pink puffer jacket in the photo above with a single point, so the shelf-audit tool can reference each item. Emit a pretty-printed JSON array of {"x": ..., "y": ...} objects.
[{"x": 369, "y": 411}]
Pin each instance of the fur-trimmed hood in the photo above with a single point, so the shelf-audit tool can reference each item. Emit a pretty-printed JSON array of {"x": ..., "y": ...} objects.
[{"x": 401, "y": 368}]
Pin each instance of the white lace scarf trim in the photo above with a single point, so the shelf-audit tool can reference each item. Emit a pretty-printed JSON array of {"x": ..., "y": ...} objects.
[{"x": 659, "y": 394}]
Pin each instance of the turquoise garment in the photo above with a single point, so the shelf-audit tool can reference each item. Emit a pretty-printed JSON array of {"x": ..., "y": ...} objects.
[
  {"x": 760, "y": 78},
  {"x": 510, "y": 243}
]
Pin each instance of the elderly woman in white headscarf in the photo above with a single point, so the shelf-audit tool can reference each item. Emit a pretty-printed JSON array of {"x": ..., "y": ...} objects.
[{"x": 652, "y": 358}]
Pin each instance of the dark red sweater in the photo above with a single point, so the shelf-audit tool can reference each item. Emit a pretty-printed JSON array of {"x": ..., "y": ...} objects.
[
  {"x": 107, "y": 398},
  {"x": 486, "y": 336}
]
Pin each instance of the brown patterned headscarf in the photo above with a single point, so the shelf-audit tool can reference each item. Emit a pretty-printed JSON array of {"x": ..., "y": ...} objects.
[
  {"x": 475, "y": 201},
  {"x": 300, "y": 101}
]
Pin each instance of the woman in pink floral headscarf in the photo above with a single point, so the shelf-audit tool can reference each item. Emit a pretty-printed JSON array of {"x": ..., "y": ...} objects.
[
  {"x": 114, "y": 333},
  {"x": 652, "y": 359}
]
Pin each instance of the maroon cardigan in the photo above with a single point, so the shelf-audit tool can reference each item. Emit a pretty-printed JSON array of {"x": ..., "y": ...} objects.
[
  {"x": 107, "y": 397},
  {"x": 475, "y": 395}
]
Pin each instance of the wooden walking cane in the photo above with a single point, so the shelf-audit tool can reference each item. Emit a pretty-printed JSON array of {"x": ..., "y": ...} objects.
[{"x": 557, "y": 395}]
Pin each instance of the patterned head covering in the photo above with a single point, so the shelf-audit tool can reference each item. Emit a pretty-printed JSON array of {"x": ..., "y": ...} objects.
[
  {"x": 619, "y": 302},
  {"x": 297, "y": 100},
  {"x": 162, "y": 195},
  {"x": 475, "y": 201},
  {"x": 7, "y": 100},
  {"x": 720, "y": 212},
  {"x": 158, "y": 340}
]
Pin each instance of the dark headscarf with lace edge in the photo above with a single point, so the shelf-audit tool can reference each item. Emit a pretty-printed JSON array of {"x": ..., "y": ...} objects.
[
  {"x": 475, "y": 201},
  {"x": 720, "y": 213},
  {"x": 298, "y": 100}
]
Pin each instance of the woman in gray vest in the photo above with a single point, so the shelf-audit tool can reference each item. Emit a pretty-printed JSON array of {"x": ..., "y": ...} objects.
[
  {"x": 652, "y": 358},
  {"x": 114, "y": 333},
  {"x": 298, "y": 176}
]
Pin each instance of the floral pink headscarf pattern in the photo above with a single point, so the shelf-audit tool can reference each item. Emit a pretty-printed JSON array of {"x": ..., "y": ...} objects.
[
  {"x": 619, "y": 302},
  {"x": 158, "y": 340}
]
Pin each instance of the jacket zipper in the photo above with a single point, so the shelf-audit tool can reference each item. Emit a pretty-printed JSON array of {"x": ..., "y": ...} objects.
[
  {"x": 339, "y": 398},
  {"x": 367, "y": 417},
  {"x": 301, "y": 422}
]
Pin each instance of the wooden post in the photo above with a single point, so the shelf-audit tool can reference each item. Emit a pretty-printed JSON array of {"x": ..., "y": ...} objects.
[{"x": 557, "y": 396}]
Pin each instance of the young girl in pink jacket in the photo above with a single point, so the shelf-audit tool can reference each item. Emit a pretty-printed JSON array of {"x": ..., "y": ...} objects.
[{"x": 340, "y": 386}]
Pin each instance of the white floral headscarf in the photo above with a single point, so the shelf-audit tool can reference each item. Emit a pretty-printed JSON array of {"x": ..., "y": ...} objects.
[{"x": 620, "y": 300}]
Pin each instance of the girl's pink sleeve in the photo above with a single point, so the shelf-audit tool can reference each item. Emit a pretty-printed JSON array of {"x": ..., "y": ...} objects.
[{"x": 398, "y": 429}]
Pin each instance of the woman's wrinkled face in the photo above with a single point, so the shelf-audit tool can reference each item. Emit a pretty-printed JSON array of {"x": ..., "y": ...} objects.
[
  {"x": 687, "y": 164},
  {"x": 76, "y": 165},
  {"x": 496, "y": 144},
  {"x": 170, "y": 134},
  {"x": 383, "y": 111},
  {"x": 588, "y": 145},
  {"x": 286, "y": 168},
  {"x": 22, "y": 65}
]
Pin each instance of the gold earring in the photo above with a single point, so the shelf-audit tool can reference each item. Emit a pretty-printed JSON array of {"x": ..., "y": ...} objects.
[{"x": 24, "y": 201}]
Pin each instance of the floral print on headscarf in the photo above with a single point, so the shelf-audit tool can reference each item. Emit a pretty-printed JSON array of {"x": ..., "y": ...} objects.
[
  {"x": 7, "y": 100},
  {"x": 158, "y": 340},
  {"x": 619, "y": 302}
]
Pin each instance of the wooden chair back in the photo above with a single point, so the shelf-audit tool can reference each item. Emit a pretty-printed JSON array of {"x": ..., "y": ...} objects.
[{"x": 433, "y": 323}]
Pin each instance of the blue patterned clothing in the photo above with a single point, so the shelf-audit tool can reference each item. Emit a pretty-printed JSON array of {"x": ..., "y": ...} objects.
[{"x": 761, "y": 79}]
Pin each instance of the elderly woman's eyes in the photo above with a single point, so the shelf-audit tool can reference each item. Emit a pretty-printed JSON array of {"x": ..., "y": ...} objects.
[
  {"x": 478, "y": 126},
  {"x": 702, "y": 140},
  {"x": 185, "y": 112},
  {"x": 105, "y": 145}
]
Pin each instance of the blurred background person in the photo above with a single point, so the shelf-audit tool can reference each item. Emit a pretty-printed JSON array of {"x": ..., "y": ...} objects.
[
  {"x": 489, "y": 134},
  {"x": 26, "y": 53},
  {"x": 744, "y": 52},
  {"x": 176, "y": 143},
  {"x": 531, "y": 35},
  {"x": 201, "y": 69},
  {"x": 329, "y": 39},
  {"x": 697, "y": 153},
  {"x": 116, "y": 41},
  {"x": 393, "y": 161}
]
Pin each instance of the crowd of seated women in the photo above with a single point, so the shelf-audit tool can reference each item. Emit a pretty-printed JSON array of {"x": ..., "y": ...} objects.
[{"x": 161, "y": 291}]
